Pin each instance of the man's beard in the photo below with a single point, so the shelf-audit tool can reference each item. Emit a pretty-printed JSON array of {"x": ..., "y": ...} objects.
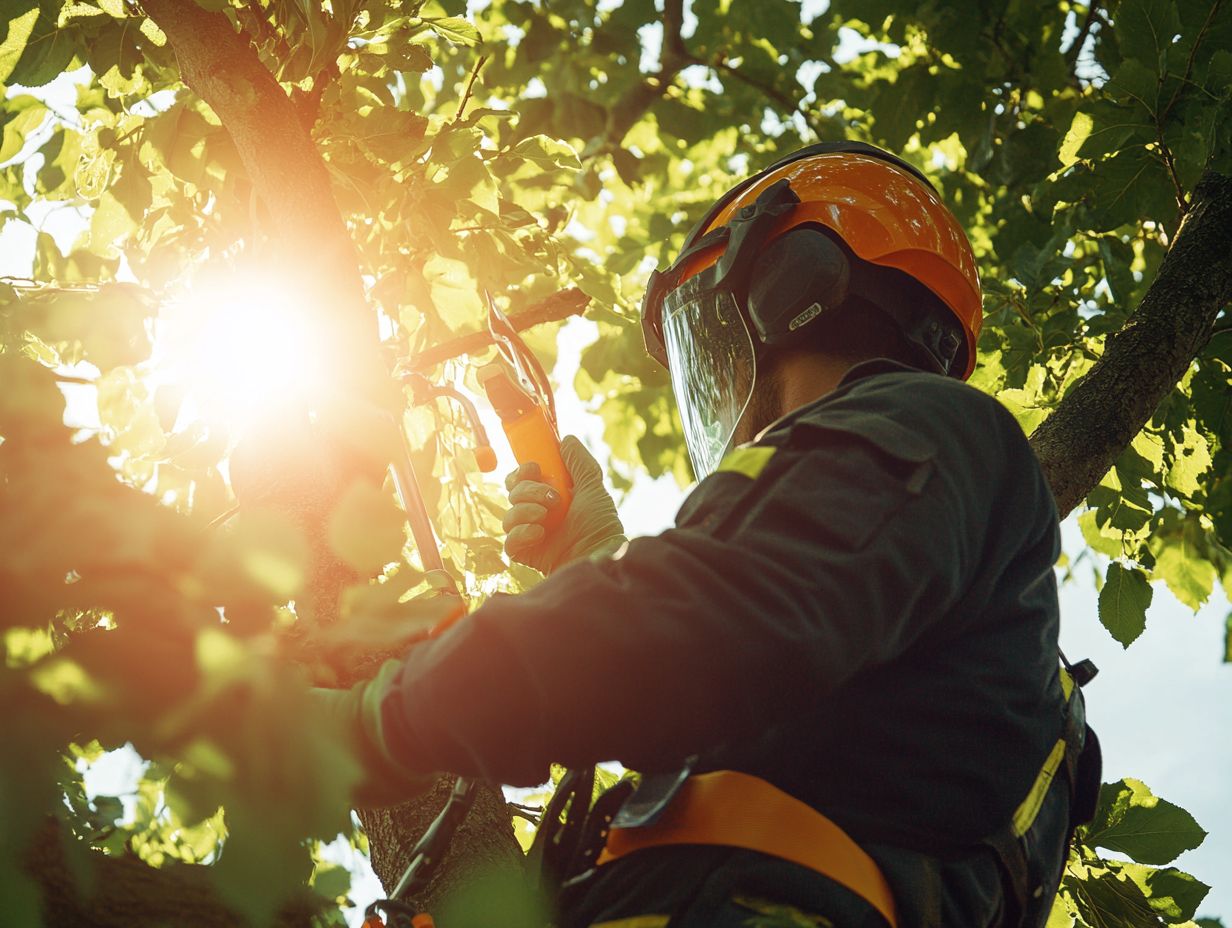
[{"x": 765, "y": 405}]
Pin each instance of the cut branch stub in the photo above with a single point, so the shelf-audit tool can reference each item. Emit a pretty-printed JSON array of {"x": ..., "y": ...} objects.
[{"x": 558, "y": 306}]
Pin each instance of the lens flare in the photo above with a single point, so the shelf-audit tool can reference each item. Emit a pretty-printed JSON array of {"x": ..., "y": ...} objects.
[{"x": 246, "y": 343}]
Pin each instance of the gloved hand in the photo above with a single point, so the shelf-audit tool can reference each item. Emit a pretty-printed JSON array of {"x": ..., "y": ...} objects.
[
  {"x": 357, "y": 711},
  {"x": 590, "y": 528}
]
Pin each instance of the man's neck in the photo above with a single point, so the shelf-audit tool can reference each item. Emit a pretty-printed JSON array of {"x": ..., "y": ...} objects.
[{"x": 794, "y": 379}]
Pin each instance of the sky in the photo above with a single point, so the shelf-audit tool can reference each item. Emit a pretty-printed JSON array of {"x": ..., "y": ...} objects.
[{"x": 1162, "y": 708}]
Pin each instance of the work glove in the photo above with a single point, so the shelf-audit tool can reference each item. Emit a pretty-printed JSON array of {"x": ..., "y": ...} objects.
[
  {"x": 590, "y": 528},
  {"x": 357, "y": 711}
]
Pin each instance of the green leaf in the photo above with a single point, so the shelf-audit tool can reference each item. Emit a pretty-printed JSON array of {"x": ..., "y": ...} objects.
[
  {"x": 109, "y": 226},
  {"x": 262, "y": 555},
  {"x": 20, "y": 25},
  {"x": 1130, "y": 186},
  {"x": 48, "y": 49},
  {"x": 22, "y": 116},
  {"x": 1079, "y": 129},
  {"x": 1189, "y": 576},
  {"x": 1192, "y": 463},
  {"x": 1105, "y": 896},
  {"x": 1133, "y": 821},
  {"x": 455, "y": 29},
  {"x": 1123, "y": 602},
  {"x": 1145, "y": 28},
  {"x": 331, "y": 881},
  {"x": 1173, "y": 894},
  {"x": 453, "y": 292},
  {"x": 548, "y": 153},
  {"x": 410, "y": 57}
]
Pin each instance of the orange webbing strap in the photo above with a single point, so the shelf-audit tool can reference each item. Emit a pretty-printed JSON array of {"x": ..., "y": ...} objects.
[{"x": 734, "y": 809}]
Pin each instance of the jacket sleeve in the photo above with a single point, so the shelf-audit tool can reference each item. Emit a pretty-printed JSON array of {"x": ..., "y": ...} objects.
[{"x": 834, "y": 547}]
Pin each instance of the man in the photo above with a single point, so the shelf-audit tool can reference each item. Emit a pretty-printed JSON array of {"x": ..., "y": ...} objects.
[{"x": 838, "y": 674}]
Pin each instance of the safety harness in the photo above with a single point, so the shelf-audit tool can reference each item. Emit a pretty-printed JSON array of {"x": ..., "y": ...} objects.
[{"x": 731, "y": 809}]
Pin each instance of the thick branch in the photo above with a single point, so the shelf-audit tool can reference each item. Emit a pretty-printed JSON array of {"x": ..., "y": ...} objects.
[
  {"x": 1142, "y": 362},
  {"x": 287, "y": 173},
  {"x": 556, "y": 307}
]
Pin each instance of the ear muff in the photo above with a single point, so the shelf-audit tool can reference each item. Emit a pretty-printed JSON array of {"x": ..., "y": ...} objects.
[{"x": 797, "y": 278}]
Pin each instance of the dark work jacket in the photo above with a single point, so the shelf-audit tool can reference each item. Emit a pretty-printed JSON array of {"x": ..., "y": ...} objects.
[{"x": 869, "y": 621}]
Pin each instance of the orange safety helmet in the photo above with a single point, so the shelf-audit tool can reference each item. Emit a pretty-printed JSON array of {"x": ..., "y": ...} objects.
[{"x": 778, "y": 250}]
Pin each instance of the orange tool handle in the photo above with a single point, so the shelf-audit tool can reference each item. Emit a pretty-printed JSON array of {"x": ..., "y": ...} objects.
[{"x": 531, "y": 435}]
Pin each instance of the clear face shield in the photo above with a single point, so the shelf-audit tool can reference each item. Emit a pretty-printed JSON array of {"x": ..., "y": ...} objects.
[{"x": 712, "y": 361}]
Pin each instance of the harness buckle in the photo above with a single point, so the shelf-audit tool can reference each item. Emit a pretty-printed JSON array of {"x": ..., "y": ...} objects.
[{"x": 653, "y": 794}]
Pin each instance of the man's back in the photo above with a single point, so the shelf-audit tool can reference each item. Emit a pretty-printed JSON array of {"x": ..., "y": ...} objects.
[{"x": 918, "y": 498}]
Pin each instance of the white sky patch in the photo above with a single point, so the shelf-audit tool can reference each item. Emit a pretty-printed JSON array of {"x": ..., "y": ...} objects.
[{"x": 851, "y": 45}]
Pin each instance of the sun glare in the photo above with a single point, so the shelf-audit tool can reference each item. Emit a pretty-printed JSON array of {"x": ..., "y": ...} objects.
[{"x": 246, "y": 343}]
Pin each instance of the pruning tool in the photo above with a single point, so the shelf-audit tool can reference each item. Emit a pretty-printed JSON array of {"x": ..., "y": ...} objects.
[{"x": 518, "y": 389}]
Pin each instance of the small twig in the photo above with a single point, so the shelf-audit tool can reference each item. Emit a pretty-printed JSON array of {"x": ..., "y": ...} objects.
[
  {"x": 1182, "y": 199},
  {"x": 532, "y": 814},
  {"x": 556, "y": 307},
  {"x": 782, "y": 99},
  {"x": 1193, "y": 50},
  {"x": 308, "y": 105},
  {"x": 470, "y": 85},
  {"x": 29, "y": 283},
  {"x": 1072, "y": 53}
]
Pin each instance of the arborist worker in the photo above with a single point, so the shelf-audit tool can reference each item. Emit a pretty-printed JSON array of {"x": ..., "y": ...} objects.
[{"x": 838, "y": 674}]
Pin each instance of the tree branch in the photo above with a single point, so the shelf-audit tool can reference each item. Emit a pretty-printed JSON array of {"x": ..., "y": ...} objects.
[
  {"x": 1182, "y": 201},
  {"x": 470, "y": 86},
  {"x": 782, "y": 99},
  {"x": 1072, "y": 53},
  {"x": 556, "y": 307},
  {"x": 1143, "y": 361},
  {"x": 673, "y": 58},
  {"x": 286, "y": 170}
]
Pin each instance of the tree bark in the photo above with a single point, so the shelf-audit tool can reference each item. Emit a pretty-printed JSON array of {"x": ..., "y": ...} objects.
[
  {"x": 221, "y": 66},
  {"x": 1143, "y": 362},
  {"x": 125, "y": 892}
]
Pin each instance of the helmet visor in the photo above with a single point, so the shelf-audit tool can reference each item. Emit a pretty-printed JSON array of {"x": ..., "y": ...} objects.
[{"x": 712, "y": 362}]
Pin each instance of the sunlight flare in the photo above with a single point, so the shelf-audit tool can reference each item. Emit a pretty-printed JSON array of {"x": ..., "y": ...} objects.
[{"x": 246, "y": 343}]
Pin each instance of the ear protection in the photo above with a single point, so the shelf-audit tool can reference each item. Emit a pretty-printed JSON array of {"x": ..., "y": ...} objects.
[
  {"x": 808, "y": 271},
  {"x": 798, "y": 277}
]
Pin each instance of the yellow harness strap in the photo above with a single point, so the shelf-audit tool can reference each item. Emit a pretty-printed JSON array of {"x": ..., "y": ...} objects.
[{"x": 734, "y": 809}]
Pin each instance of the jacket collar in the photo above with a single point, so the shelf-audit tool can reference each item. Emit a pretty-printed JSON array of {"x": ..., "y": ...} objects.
[{"x": 861, "y": 371}]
